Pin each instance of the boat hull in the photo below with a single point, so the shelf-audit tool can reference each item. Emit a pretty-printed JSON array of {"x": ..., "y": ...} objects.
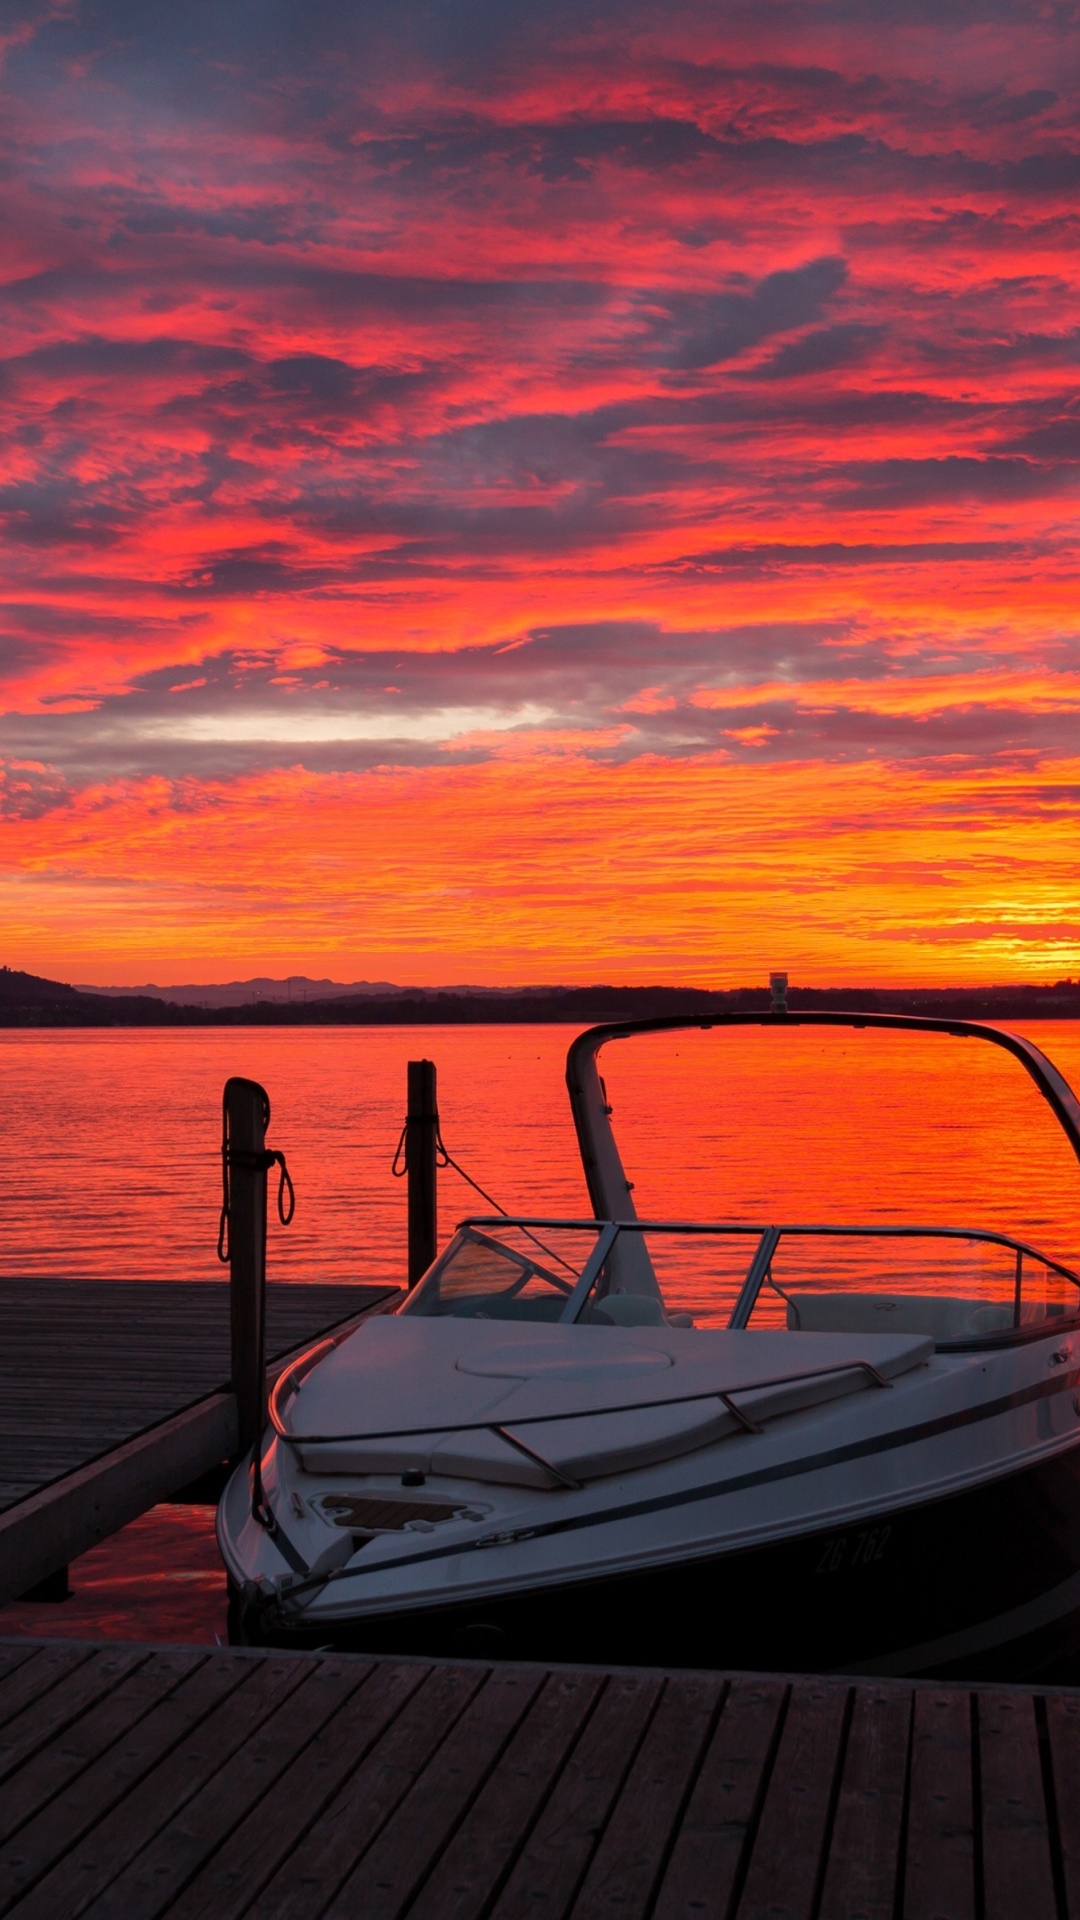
[{"x": 983, "y": 1583}]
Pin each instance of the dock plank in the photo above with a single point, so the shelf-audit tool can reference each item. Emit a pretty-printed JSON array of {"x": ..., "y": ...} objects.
[
  {"x": 33, "y": 1678},
  {"x": 789, "y": 1848},
  {"x": 268, "y": 1836},
  {"x": 180, "y": 1848},
  {"x": 1063, "y": 1734},
  {"x": 486, "y": 1843},
  {"x": 1017, "y": 1870},
  {"x": 46, "y": 1717},
  {"x": 553, "y": 1863},
  {"x": 133, "y": 1353},
  {"x": 709, "y": 1852},
  {"x": 41, "y": 1779},
  {"x": 627, "y": 1864},
  {"x": 13, "y": 1655},
  {"x": 389, "y": 1873},
  {"x": 864, "y": 1848},
  {"x": 939, "y": 1876},
  {"x": 89, "y": 1800},
  {"x": 312, "y": 1875},
  {"x": 90, "y": 1867}
]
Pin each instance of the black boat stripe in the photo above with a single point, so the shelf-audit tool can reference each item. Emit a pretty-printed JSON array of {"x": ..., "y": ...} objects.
[
  {"x": 787, "y": 1470},
  {"x": 288, "y": 1550}
]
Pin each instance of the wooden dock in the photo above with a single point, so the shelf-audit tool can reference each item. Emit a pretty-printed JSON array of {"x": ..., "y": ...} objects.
[
  {"x": 117, "y": 1394},
  {"x": 206, "y": 1786}
]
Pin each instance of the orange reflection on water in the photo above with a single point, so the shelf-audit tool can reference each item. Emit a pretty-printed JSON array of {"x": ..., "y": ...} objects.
[
  {"x": 158, "y": 1580},
  {"x": 734, "y": 1124}
]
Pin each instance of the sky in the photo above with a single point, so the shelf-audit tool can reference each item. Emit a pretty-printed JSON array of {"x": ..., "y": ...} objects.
[{"x": 520, "y": 494}]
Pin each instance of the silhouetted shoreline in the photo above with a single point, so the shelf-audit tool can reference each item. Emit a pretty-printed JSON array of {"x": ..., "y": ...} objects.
[{"x": 28, "y": 1001}]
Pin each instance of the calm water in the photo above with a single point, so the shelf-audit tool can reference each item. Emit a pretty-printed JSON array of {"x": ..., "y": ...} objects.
[{"x": 111, "y": 1140}]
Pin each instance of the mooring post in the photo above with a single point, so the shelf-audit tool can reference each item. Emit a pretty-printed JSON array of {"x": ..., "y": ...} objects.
[
  {"x": 421, "y": 1135},
  {"x": 247, "y": 1111}
]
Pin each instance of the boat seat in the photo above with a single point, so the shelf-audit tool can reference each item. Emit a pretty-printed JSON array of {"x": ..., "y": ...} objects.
[
  {"x": 594, "y": 1445},
  {"x": 443, "y": 1395},
  {"x": 616, "y": 1310},
  {"x": 501, "y": 1306},
  {"x": 630, "y": 1310},
  {"x": 943, "y": 1316}
]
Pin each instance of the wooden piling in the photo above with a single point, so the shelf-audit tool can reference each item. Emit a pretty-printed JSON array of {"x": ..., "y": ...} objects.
[
  {"x": 247, "y": 1111},
  {"x": 421, "y": 1136}
]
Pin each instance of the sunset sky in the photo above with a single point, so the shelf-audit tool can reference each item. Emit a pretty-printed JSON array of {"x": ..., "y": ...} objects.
[{"x": 530, "y": 493}]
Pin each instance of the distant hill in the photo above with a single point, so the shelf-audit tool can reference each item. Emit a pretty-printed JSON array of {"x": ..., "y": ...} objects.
[
  {"x": 243, "y": 993},
  {"x": 29, "y": 1001},
  {"x": 296, "y": 988},
  {"x": 26, "y": 1000},
  {"x": 28, "y": 990}
]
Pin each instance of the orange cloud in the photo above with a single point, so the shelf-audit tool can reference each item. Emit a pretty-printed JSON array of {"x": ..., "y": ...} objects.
[{"x": 652, "y": 870}]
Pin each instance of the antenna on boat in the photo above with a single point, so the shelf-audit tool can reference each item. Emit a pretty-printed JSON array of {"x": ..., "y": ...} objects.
[{"x": 778, "y": 989}]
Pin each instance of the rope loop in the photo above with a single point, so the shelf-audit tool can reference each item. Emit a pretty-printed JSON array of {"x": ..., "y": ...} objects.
[
  {"x": 285, "y": 1186},
  {"x": 248, "y": 1161},
  {"x": 399, "y": 1166}
]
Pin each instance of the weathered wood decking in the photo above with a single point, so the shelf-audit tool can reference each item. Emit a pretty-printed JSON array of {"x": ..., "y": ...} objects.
[
  {"x": 139, "y": 1783},
  {"x": 115, "y": 1394}
]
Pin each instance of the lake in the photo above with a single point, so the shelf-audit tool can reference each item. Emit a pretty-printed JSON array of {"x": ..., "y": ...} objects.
[{"x": 112, "y": 1138}]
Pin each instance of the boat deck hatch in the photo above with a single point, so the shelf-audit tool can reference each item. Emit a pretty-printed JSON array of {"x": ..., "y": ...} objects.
[{"x": 384, "y": 1515}]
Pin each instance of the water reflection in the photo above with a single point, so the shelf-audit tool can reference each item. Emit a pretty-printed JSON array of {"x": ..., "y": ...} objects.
[
  {"x": 735, "y": 1125},
  {"x": 159, "y": 1580}
]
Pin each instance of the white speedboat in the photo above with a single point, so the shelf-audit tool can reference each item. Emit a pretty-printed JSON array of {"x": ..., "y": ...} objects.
[{"x": 873, "y": 1467}]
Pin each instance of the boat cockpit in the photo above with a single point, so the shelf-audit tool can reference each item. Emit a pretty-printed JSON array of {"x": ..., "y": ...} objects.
[{"x": 959, "y": 1286}]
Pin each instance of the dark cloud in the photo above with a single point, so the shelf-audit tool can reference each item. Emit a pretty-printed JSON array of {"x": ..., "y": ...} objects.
[
  {"x": 266, "y": 569},
  {"x": 96, "y": 355},
  {"x": 1007, "y": 108},
  {"x": 555, "y": 153},
  {"x": 826, "y": 350},
  {"x": 314, "y": 376},
  {"x": 905, "y": 483},
  {"x": 702, "y": 330},
  {"x": 56, "y": 513},
  {"x": 834, "y": 556},
  {"x": 1049, "y": 439},
  {"x": 1050, "y": 173}
]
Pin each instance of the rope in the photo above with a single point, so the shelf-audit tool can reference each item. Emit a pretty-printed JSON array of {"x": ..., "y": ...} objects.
[
  {"x": 250, "y": 1162},
  {"x": 399, "y": 1166}
]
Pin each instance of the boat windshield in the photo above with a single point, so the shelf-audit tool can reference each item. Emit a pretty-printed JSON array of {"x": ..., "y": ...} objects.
[
  {"x": 960, "y": 1286},
  {"x": 482, "y": 1278}
]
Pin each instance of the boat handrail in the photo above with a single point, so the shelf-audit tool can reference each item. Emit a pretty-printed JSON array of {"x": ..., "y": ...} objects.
[{"x": 877, "y": 1229}]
